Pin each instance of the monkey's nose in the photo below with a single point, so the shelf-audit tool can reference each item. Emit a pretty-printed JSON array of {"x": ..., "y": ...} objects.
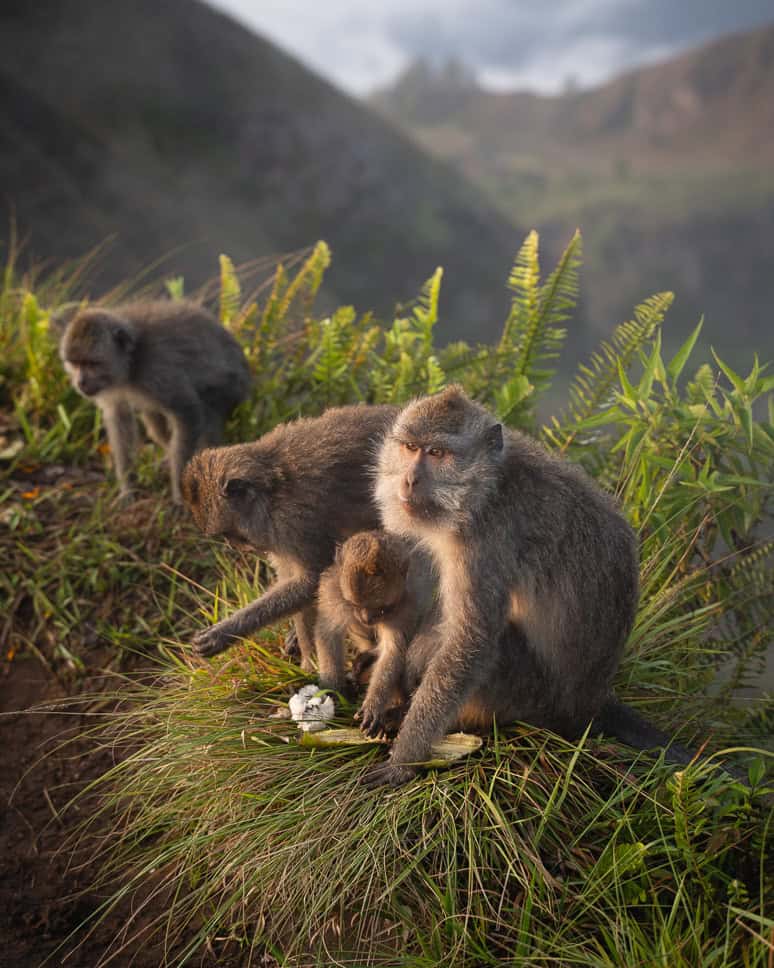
[{"x": 406, "y": 489}]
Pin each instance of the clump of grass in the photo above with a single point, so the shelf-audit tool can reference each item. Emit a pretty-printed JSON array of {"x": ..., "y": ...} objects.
[{"x": 534, "y": 852}]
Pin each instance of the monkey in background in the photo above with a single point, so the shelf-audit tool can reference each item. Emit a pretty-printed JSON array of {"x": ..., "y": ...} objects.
[
  {"x": 292, "y": 495},
  {"x": 379, "y": 594},
  {"x": 538, "y": 578},
  {"x": 172, "y": 362}
]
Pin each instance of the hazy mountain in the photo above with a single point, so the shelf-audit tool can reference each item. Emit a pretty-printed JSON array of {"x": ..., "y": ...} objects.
[
  {"x": 668, "y": 171},
  {"x": 171, "y": 127}
]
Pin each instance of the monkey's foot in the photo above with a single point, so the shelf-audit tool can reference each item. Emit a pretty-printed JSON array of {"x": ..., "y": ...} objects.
[
  {"x": 211, "y": 641},
  {"x": 388, "y": 774}
]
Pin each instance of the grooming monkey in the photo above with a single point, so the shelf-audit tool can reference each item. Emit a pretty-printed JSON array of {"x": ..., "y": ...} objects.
[
  {"x": 292, "y": 495},
  {"x": 378, "y": 593},
  {"x": 538, "y": 578},
  {"x": 172, "y": 362}
]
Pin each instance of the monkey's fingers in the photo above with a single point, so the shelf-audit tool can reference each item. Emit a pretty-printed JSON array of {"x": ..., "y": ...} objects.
[
  {"x": 210, "y": 642},
  {"x": 387, "y": 774},
  {"x": 370, "y": 722}
]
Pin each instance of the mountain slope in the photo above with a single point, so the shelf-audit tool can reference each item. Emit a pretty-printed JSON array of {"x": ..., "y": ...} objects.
[
  {"x": 173, "y": 128},
  {"x": 668, "y": 171}
]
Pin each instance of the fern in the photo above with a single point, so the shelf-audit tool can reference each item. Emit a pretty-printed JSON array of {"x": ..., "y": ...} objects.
[
  {"x": 230, "y": 291},
  {"x": 426, "y": 308},
  {"x": 330, "y": 360},
  {"x": 592, "y": 391},
  {"x": 524, "y": 282},
  {"x": 532, "y": 336}
]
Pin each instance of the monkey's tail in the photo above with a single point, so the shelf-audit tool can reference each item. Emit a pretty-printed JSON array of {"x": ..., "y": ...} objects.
[{"x": 626, "y": 724}]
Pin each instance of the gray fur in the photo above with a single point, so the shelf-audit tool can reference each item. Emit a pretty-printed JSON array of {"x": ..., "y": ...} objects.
[
  {"x": 292, "y": 495},
  {"x": 538, "y": 576},
  {"x": 378, "y": 592},
  {"x": 171, "y": 362}
]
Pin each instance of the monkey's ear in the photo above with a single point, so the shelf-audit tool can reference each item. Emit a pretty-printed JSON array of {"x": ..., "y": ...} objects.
[
  {"x": 337, "y": 554},
  {"x": 123, "y": 337},
  {"x": 494, "y": 437},
  {"x": 236, "y": 487}
]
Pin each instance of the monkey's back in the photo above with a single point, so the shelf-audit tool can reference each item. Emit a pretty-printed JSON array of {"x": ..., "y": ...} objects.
[
  {"x": 193, "y": 346},
  {"x": 328, "y": 465},
  {"x": 581, "y": 557}
]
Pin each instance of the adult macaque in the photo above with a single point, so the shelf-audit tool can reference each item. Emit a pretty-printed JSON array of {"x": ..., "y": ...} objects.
[
  {"x": 292, "y": 495},
  {"x": 170, "y": 361},
  {"x": 538, "y": 578}
]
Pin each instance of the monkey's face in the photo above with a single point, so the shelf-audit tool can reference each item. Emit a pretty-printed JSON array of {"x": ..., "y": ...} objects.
[
  {"x": 371, "y": 598},
  {"x": 90, "y": 373},
  {"x": 419, "y": 482},
  {"x": 95, "y": 353},
  {"x": 225, "y": 499},
  {"x": 437, "y": 463},
  {"x": 372, "y": 575}
]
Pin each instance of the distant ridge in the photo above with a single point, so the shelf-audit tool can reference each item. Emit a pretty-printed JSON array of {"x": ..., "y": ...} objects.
[
  {"x": 668, "y": 171},
  {"x": 716, "y": 101},
  {"x": 168, "y": 124}
]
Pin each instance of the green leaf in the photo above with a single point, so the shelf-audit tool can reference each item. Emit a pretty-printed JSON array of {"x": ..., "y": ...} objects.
[
  {"x": 678, "y": 361},
  {"x": 733, "y": 377},
  {"x": 230, "y": 291}
]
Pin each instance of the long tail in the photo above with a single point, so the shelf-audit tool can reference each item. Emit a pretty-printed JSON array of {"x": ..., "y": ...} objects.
[{"x": 624, "y": 723}]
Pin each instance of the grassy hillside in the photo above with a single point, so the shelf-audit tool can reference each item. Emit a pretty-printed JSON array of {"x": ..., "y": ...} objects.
[
  {"x": 174, "y": 130},
  {"x": 668, "y": 171}
]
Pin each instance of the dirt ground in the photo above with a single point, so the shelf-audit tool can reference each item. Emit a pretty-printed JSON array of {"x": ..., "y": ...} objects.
[{"x": 43, "y": 900}]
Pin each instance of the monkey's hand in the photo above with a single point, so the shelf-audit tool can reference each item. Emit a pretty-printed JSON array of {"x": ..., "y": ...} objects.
[
  {"x": 372, "y": 719},
  {"x": 388, "y": 774},
  {"x": 213, "y": 640}
]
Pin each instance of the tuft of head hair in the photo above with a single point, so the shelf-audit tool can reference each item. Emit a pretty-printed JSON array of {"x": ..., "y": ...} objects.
[
  {"x": 91, "y": 329},
  {"x": 449, "y": 414},
  {"x": 374, "y": 553}
]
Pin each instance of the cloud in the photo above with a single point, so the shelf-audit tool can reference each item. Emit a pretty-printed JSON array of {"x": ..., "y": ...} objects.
[{"x": 363, "y": 44}]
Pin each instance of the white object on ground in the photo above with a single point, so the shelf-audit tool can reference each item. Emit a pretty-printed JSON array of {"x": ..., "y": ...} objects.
[{"x": 310, "y": 709}]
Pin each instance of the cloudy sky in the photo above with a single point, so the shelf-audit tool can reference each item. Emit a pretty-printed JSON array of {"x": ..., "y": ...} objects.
[{"x": 363, "y": 44}]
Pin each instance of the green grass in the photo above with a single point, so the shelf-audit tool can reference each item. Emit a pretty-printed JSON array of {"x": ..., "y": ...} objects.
[{"x": 534, "y": 852}]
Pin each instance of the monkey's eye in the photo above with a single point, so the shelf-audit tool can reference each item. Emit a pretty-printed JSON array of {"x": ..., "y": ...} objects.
[
  {"x": 407, "y": 445},
  {"x": 437, "y": 452}
]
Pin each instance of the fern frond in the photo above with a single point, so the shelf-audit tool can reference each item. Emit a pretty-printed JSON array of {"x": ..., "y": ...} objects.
[
  {"x": 331, "y": 362},
  {"x": 308, "y": 279},
  {"x": 591, "y": 392},
  {"x": 426, "y": 308},
  {"x": 230, "y": 291},
  {"x": 524, "y": 282},
  {"x": 532, "y": 336}
]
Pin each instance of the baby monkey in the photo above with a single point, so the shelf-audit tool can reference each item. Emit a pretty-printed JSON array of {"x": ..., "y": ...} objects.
[
  {"x": 171, "y": 361},
  {"x": 378, "y": 593}
]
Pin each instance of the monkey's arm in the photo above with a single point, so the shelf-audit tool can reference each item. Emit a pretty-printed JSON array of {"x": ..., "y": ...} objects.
[
  {"x": 465, "y": 658},
  {"x": 282, "y": 599},
  {"x": 385, "y": 681},
  {"x": 329, "y": 636}
]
